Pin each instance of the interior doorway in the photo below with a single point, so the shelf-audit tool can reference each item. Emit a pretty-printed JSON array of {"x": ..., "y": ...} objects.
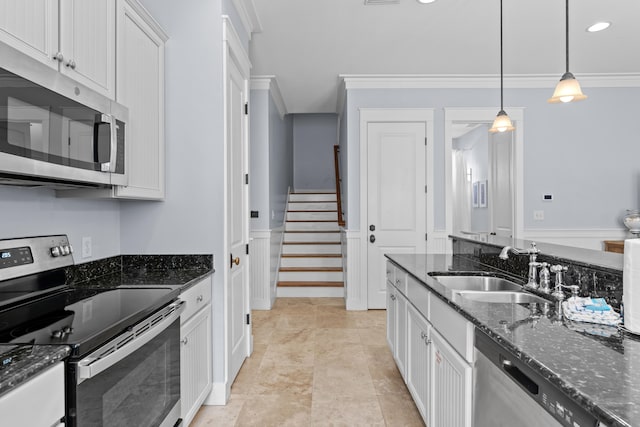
[{"x": 483, "y": 173}]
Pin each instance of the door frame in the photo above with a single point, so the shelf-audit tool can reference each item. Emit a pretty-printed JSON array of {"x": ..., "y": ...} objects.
[
  {"x": 390, "y": 115},
  {"x": 486, "y": 115},
  {"x": 233, "y": 52}
]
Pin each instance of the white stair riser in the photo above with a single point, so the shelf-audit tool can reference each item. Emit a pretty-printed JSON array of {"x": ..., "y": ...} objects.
[
  {"x": 310, "y": 262},
  {"x": 311, "y": 249},
  {"x": 310, "y": 276},
  {"x": 312, "y": 237},
  {"x": 325, "y": 226},
  {"x": 310, "y": 206},
  {"x": 310, "y": 216},
  {"x": 312, "y": 197}
]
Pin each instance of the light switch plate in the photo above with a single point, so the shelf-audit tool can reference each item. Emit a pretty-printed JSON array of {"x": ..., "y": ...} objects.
[{"x": 538, "y": 215}]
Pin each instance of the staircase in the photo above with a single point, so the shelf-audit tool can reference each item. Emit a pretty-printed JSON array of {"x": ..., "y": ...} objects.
[{"x": 311, "y": 263}]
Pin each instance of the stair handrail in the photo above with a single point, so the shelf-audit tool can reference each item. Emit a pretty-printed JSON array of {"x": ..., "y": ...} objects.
[{"x": 336, "y": 157}]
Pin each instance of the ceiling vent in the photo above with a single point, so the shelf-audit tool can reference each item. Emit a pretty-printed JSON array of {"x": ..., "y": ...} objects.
[{"x": 378, "y": 2}]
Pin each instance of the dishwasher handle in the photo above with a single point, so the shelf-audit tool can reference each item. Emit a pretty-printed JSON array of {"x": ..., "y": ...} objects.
[{"x": 517, "y": 375}]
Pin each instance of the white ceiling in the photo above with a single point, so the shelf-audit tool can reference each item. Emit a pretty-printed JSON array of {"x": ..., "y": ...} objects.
[{"x": 307, "y": 44}]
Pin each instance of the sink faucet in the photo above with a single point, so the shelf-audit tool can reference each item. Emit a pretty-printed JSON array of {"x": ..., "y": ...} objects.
[
  {"x": 532, "y": 251},
  {"x": 557, "y": 293}
]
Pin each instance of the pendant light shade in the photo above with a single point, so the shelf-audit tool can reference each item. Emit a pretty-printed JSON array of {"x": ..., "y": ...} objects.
[
  {"x": 502, "y": 123},
  {"x": 568, "y": 89}
]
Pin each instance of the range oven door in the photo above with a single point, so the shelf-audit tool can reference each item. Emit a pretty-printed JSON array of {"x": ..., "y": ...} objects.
[{"x": 134, "y": 380}]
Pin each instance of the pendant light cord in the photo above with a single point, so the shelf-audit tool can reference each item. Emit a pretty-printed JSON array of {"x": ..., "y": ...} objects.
[
  {"x": 567, "y": 32},
  {"x": 501, "y": 72}
]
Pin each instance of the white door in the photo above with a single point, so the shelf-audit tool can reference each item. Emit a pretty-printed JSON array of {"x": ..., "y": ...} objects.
[
  {"x": 396, "y": 198},
  {"x": 501, "y": 184},
  {"x": 237, "y": 220}
]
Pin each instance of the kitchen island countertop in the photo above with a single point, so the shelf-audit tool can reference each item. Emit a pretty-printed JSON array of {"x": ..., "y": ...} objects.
[{"x": 598, "y": 367}]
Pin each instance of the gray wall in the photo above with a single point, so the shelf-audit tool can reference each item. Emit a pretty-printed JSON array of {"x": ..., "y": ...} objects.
[
  {"x": 280, "y": 163},
  {"x": 314, "y": 136},
  {"x": 259, "y": 159},
  {"x": 37, "y": 212},
  {"x": 583, "y": 153}
]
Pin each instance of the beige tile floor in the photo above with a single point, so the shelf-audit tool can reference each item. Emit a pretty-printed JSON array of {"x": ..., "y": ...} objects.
[{"x": 316, "y": 364}]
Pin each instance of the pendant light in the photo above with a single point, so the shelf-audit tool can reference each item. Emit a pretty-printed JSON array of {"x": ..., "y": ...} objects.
[
  {"x": 568, "y": 88},
  {"x": 502, "y": 123}
]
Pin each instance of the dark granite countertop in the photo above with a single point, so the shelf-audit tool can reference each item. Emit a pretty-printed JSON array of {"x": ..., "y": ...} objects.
[
  {"x": 18, "y": 363},
  {"x": 598, "y": 367}
]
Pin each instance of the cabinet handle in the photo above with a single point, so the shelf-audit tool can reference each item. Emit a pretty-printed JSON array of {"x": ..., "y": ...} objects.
[
  {"x": 393, "y": 297},
  {"x": 58, "y": 57},
  {"x": 422, "y": 335},
  {"x": 200, "y": 298},
  {"x": 428, "y": 341},
  {"x": 185, "y": 341},
  {"x": 71, "y": 64},
  {"x": 397, "y": 281}
]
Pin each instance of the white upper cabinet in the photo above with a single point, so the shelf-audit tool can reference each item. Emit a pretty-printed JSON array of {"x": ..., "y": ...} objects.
[
  {"x": 31, "y": 26},
  {"x": 140, "y": 87},
  {"x": 88, "y": 43},
  {"x": 76, "y": 37}
]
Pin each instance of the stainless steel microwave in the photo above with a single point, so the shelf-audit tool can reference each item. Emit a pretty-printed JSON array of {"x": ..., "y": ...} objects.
[{"x": 54, "y": 131}]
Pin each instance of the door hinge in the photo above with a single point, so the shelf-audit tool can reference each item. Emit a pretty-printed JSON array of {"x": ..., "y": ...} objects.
[
  {"x": 425, "y": 189},
  {"x": 247, "y": 249},
  {"x": 246, "y": 108},
  {"x": 425, "y": 140},
  {"x": 246, "y": 178},
  {"x": 248, "y": 319},
  {"x": 426, "y": 236}
]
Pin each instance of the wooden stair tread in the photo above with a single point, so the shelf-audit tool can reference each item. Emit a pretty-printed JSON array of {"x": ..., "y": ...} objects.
[
  {"x": 311, "y": 220},
  {"x": 311, "y": 255},
  {"x": 312, "y": 284},
  {"x": 310, "y": 269},
  {"x": 312, "y": 231},
  {"x": 310, "y": 243}
]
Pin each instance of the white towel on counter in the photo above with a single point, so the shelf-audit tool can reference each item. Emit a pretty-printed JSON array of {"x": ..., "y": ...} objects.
[
  {"x": 591, "y": 311},
  {"x": 631, "y": 285}
]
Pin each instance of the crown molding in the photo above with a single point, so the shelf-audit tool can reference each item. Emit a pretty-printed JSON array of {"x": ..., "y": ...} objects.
[
  {"x": 248, "y": 15},
  {"x": 479, "y": 81},
  {"x": 148, "y": 19},
  {"x": 270, "y": 83}
]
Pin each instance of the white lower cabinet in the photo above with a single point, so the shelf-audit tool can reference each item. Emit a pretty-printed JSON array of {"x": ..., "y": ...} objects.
[
  {"x": 434, "y": 355},
  {"x": 196, "y": 352},
  {"x": 452, "y": 385},
  {"x": 418, "y": 373}
]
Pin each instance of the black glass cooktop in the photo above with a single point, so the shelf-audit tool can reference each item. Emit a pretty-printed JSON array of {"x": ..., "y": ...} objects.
[{"x": 82, "y": 318}]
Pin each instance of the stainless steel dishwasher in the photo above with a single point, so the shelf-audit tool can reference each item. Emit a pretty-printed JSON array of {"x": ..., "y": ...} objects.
[{"x": 508, "y": 393}]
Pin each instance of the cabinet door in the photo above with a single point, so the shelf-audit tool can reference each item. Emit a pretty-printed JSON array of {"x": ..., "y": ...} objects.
[
  {"x": 452, "y": 385},
  {"x": 88, "y": 43},
  {"x": 391, "y": 317},
  {"x": 141, "y": 88},
  {"x": 418, "y": 373},
  {"x": 400, "y": 353},
  {"x": 195, "y": 363},
  {"x": 31, "y": 26}
]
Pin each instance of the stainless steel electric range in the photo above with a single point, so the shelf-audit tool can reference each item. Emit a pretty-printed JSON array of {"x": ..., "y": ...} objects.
[{"x": 124, "y": 368}]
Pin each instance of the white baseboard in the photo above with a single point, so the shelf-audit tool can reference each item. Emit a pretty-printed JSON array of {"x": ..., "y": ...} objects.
[
  {"x": 580, "y": 238},
  {"x": 310, "y": 292},
  {"x": 220, "y": 393}
]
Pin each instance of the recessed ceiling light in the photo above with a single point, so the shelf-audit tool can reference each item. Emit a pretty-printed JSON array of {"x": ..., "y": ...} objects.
[
  {"x": 598, "y": 26},
  {"x": 426, "y": 1}
]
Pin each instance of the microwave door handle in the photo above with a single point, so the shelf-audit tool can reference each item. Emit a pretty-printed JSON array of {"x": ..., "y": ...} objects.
[
  {"x": 89, "y": 367},
  {"x": 110, "y": 166}
]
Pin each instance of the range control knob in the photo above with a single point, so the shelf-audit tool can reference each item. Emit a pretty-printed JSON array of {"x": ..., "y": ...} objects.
[
  {"x": 56, "y": 251},
  {"x": 67, "y": 329},
  {"x": 57, "y": 334},
  {"x": 65, "y": 249}
]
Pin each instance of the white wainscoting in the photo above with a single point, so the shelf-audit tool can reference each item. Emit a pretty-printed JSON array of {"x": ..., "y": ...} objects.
[
  {"x": 356, "y": 288},
  {"x": 583, "y": 238},
  {"x": 260, "y": 269},
  {"x": 277, "y": 237}
]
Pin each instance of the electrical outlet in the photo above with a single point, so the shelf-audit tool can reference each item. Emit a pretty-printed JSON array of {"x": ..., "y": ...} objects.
[
  {"x": 538, "y": 215},
  {"x": 86, "y": 247}
]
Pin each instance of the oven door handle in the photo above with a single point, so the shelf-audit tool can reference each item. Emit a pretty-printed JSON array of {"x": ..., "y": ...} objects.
[{"x": 92, "y": 365}]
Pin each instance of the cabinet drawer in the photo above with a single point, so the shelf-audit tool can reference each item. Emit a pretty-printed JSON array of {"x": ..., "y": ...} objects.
[
  {"x": 195, "y": 298},
  {"x": 418, "y": 295},
  {"x": 457, "y": 330}
]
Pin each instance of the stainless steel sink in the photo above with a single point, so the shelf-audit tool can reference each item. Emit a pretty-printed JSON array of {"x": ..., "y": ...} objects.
[
  {"x": 502, "y": 297},
  {"x": 477, "y": 283}
]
